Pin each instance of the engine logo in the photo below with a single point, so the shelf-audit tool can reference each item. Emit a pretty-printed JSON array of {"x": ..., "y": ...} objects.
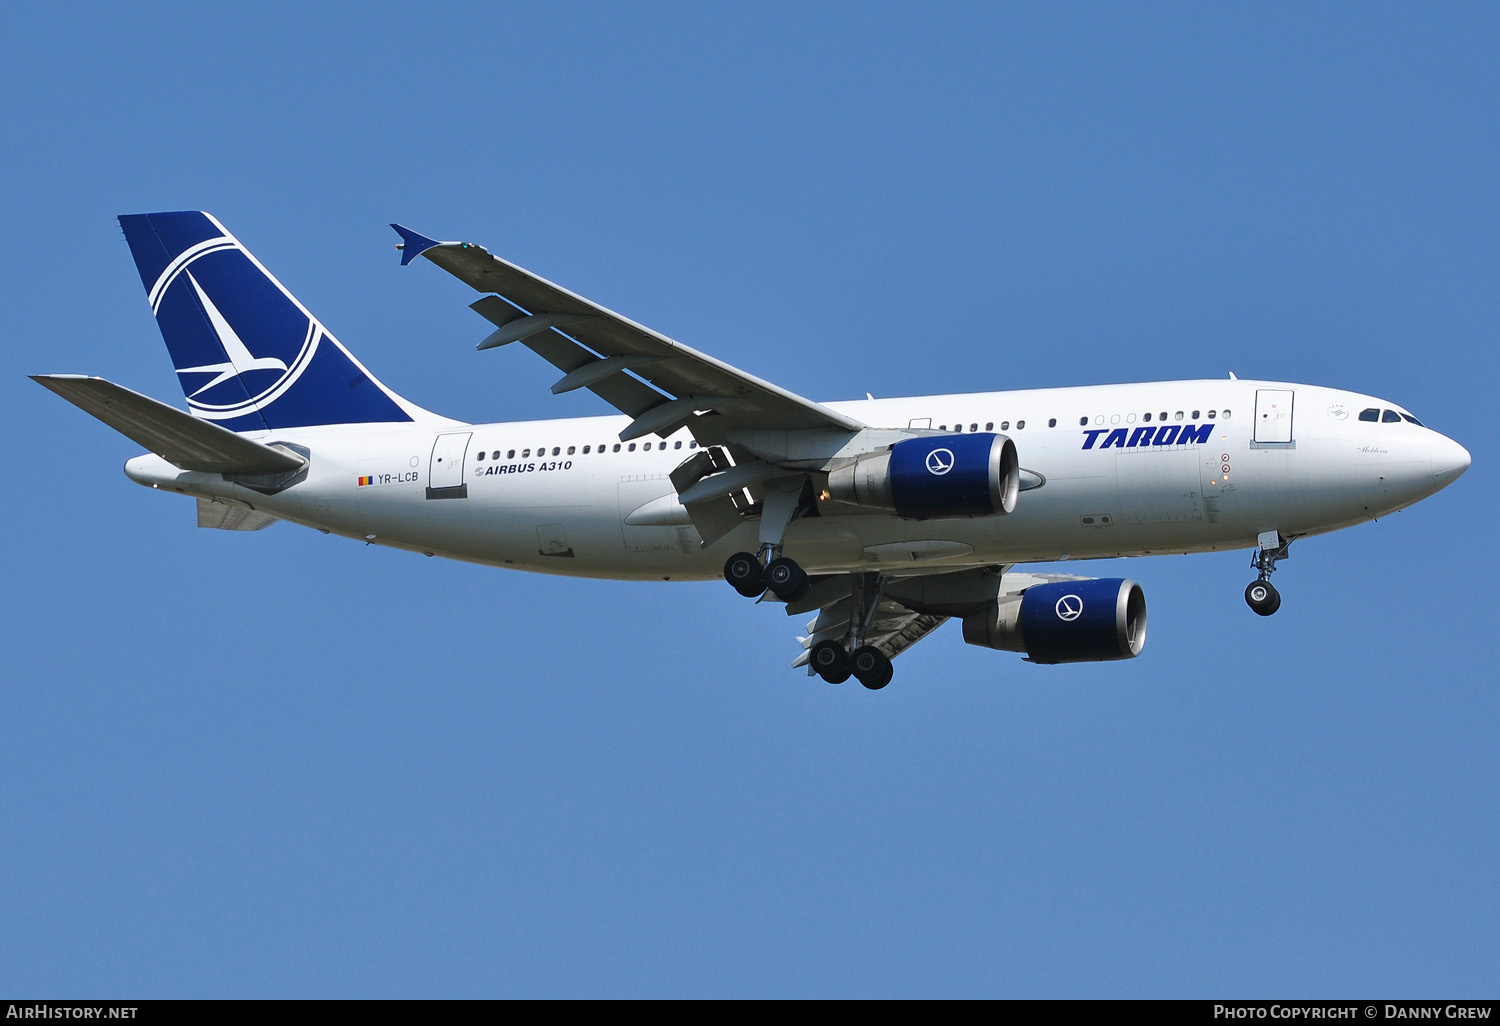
[
  {"x": 939, "y": 462},
  {"x": 1069, "y": 608}
]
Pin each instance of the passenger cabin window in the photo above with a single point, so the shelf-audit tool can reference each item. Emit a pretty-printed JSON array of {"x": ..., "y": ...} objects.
[
  {"x": 525, "y": 453},
  {"x": 1147, "y": 418},
  {"x": 617, "y": 447},
  {"x": 1391, "y": 417},
  {"x": 585, "y": 450},
  {"x": 1211, "y": 414},
  {"x": 1020, "y": 424},
  {"x": 481, "y": 456},
  {"x": 990, "y": 426},
  {"x": 511, "y": 455},
  {"x": 1195, "y": 414},
  {"x": 1084, "y": 421},
  {"x": 631, "y": 447},
  {"x": 677, "y": 444},
  {"x": 1005, "y": 425},
  {"x": 1052, "y": 422},
  {"x": 1370, "y": 415},
  {"x": 572, "y": 449}
]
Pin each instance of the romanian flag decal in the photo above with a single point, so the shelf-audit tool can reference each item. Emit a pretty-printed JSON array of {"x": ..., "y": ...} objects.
[{"x": 366, "y": 480}]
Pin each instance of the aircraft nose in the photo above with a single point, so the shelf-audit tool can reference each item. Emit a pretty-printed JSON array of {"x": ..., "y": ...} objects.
[{"x": 1449, "y": 460}]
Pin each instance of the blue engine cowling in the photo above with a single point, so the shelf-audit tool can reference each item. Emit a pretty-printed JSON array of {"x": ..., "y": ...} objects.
[
  {"x": 975, "y": 475},
  {"x": 1081, "y": 621}
]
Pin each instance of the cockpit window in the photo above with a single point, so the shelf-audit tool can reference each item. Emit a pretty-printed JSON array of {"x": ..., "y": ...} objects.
[
  {"x": 1371, "y": 415},
  {"x": 1390, "y": 417},
  {"x": 1414, "y": 420}
]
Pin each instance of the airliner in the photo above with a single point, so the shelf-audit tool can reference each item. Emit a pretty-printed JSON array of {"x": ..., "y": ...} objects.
[{"x": 880, "y": 518}]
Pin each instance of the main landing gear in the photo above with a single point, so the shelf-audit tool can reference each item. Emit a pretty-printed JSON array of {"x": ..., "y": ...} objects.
[
  {"x": 781, "y": 576},
  {"x": 836, "y": 660},
  {"x": 752, "y": 575},
  {"x": 832, "y": 661},
  {"x": 1261, "y": 595}
]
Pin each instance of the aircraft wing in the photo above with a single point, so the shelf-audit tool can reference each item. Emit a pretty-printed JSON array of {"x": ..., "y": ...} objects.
[{"x": 668, "y": 385}]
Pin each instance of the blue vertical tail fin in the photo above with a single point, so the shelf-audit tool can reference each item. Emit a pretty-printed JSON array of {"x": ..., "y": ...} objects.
[{"x": 249, "y": 356}]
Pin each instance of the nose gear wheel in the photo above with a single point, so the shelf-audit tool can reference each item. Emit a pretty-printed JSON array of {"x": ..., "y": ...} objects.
[{"x": 1261, "y": 595}]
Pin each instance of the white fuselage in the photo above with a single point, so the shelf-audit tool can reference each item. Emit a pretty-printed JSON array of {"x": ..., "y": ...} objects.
[{"x": 559, "y": 496}]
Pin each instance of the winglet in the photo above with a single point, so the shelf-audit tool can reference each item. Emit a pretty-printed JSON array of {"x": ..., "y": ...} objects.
[{"x": 412, "y": 245}]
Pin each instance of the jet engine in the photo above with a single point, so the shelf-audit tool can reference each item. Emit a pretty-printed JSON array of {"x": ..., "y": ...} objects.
[
  {"x": 1081, "y": 621},
  {"x": 974, "y": 475}
]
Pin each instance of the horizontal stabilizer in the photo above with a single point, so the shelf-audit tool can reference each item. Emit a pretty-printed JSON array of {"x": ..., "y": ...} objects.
[{"x": 177, "y": 437}]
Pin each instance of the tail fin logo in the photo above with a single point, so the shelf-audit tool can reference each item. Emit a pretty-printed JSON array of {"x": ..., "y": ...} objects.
[
  {"x": 243, "y": 381},
  {"x": 248, "y": 354},
  {"x": 239, "y": 360}
]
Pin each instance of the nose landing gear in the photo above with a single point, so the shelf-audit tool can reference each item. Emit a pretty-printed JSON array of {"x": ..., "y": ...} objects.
[{"x": 1261, "y": 595}]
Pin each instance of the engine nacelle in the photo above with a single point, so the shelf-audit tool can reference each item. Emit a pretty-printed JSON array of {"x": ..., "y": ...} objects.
[
  {"x": 1080, "y": 621},
  {"x": 974, "y": 475}
]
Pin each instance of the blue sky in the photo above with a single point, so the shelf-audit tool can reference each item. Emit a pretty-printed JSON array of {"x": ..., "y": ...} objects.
[{"x": 280, "y": 764}]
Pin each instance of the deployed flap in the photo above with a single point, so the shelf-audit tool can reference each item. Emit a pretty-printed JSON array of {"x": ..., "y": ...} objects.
[
  {"x": 224, "y": 517},
  {"x": 542, "y": 310},
  {"x": 177, "y": 437}
]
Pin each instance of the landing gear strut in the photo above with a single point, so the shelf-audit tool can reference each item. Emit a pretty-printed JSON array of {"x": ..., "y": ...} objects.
[
  {"x": 836, "y": 660},
  {"x": 1261, "y": 595},
  {"x": 751, "y": 574}
]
